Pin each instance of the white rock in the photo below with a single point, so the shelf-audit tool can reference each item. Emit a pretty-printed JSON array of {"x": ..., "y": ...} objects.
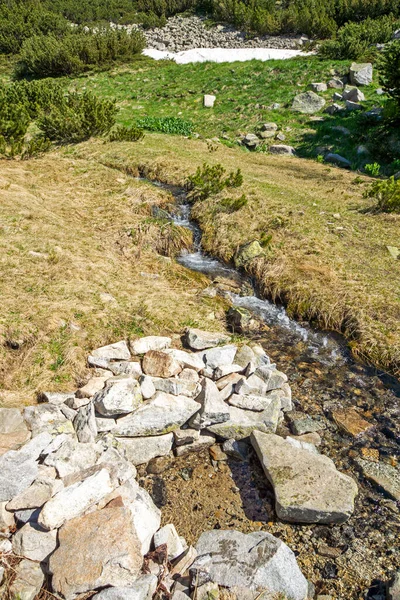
[
  {"x": 36, "y": 495},
  {"x": 143, "y": 589},
  {"x": 133, "y": 369},
  {"x": 122, "y": 468},
  {"x": 217, "y": 357},
  {"x": 74, "y": 500},
  {"x": 226, "y": 370},
  {"x": 203, "y": 442},
  {"x": 273, "y": 378},
  {"x": 5, "y": 546},
  {"x": 177, "y": 387},
  {"x": 242, "y": 422},
  {"x": 33, "y": 543},
  {"x": 186, "y": 436},
  {"x": 45, "y": 417},
  {"x": 104, "y": 424},
  {"x": 168, "y": 535},
  {"x": 189, "y": 375},
  {"x": 147, "y": 387},
  {"x": 151, "y": 342},
  {"x": 250, "y": 402},
  {"x": 116, "y": 351},
  {"x": 94, "y": 385},
  {"x": 142, "y": 449},
  {"x": 209, "y": 100},
  {"x": 57, "y": 398},
  {"x": 6, "y": 520},
  {"x": 188, "y": 360},
  {"x": 197, "y": 339},
  {"x": 163, "y": 414},
  {"x": 72, "y": 457},
  {"x": 213, "y": 409},
  {"x": 120, "y": 396}
]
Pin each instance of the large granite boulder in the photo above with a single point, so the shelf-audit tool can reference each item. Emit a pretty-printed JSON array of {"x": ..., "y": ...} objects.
[{"x": 308, "y": 103}]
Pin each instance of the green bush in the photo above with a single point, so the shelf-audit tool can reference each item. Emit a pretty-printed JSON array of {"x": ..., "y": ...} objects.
[
  {"x": 357, "y": 41},
  {"x": 389, "y": 65},
  {"x": 126, "y": 134},
  {"x": 77, "y": 118},
  {"x": 49, "y": 56},
  {"x": 171, "y": 125},
  {"x": 210, "y": 180},
  {"x": 231, "y": 205},
  {"x": 386, "y": 193}
]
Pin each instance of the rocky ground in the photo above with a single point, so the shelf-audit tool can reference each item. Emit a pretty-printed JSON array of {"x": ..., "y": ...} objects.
[
  {"x": 185, "y": 33},
  {"x": 184, "y": 417}
]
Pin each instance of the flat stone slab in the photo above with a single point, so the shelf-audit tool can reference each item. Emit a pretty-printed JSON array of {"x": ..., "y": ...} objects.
[
  {"x": 107, "y": 541},
  {"x": 220, "y": 356},
  {"x": 254, "y": 561},
  {"x": 142, "y": 449},
  {"x": 116, "y": 351},
  {"x": 163, "y": 414},
  {"x": 241, "y": 422},
  {"x": 151, "y": 342},
  {"x": 383, "y": 475},
  {"x": 308, "y": 488},
  {"x": 351, "y": 422},
  {"x": 143, "y": 589}
]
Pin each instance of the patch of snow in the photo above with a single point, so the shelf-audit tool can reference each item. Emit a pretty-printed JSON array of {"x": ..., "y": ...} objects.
[{"x": 222, "y": 55}]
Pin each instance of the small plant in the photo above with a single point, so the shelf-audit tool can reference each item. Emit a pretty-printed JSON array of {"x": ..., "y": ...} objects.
[
  {"x": 395, "y": 166},
  {"x": 231, "y": 205},
  {"x": 373, "y": 169},
  {"x": 320, "y": 159},
  {"x": 35, "y": 147},
  {"x": 210, "y": 180},
  {"x": 126, "y": 134},
  {"x": 386, "y": 193},
  {"x": 171, "y": 125}
]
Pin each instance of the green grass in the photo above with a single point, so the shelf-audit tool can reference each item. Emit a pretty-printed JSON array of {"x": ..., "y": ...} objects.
[{"x": 245, "y": 92}]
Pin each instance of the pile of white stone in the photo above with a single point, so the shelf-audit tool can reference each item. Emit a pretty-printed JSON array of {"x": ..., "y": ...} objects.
[{"x": 70, "y": 505}]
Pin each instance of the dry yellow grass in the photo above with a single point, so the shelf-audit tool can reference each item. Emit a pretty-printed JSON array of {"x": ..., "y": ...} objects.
[
  {"x": 327, "y": 261},
  {"x": 72, "y": 230}
]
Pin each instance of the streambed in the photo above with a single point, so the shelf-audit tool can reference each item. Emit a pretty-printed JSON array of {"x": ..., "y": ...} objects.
[{"x": 196, "y": 492}]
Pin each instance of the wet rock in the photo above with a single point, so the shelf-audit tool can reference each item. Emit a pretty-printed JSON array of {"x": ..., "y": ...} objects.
[
  {"x": 108, "y": 541},
  {"x": 143, "y": 589},
  {"x": 147, "y": 387},
  {"x": 196, "y": 339},
  {"x": 163, "y": 414},
  {"x": 33, "y": 543},
  {"x": 120, "y": 396},
  {"x": 74, "y": 500},
  {"x": 310, "y": 438},
  {"x": 160, "y": 364},
  {"x": 142, "y": 449},
  {"x": 235, "y": 449},
  {"x": 72, "y": 456},
  {"x": 361, "y": 73},
  {"x": 308, "y": 103},
  {"x": 213, "y": 409},
  {"x": 242, "y": 422},
  {"x": 117, "y": 351},
  {"x": 19, "y": 469},
  {"x": 85, "y": 424},
  {"x": 247, "y": 253},
  {"x": 28, "y": 580},
  {"x": 253, "y": 561},
  {"x": 307, "y": 486},
  {"x": 351, "y": 422},
  {"x": 186, "y": 436},
  {"x": 177, "y": 387},
  {"x": 168, "y": 535},
  {"x": 383, "y": 475},
  {"x": 301, "y": 423},
  {"x": 202, "y": 443}
]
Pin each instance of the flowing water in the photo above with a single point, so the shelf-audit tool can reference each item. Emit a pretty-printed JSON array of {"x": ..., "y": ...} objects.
[{"x": 197, "y": 493}]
